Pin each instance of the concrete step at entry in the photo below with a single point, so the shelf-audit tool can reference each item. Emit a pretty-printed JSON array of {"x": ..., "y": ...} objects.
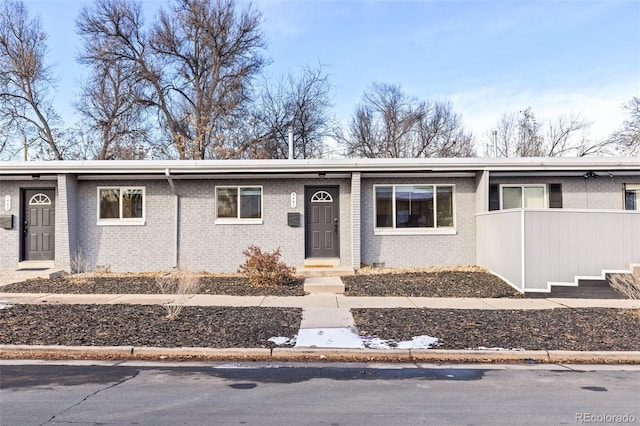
[
  {"x": 324, "y": 272},
  {"x": 323, "y": 267},
  {"x": 323, "y": 285},
  {"x": 36, "y": 264}
]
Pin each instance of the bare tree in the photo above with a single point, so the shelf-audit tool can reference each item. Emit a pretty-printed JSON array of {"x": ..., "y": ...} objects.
[
  {"x": 197, "y": 60},
  {"x": 113, "y": 114},
  {"x": 388, "y": 123},
  {"x": 26, "y": 82},
  {"x": 441, "y": 134},
  {"x": 521, "y": 135},
  {"x": 302, "y": 103},
  {"x": 626, "y": 140}
]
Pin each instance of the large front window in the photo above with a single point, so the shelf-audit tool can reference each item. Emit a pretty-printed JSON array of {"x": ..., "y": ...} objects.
[
  {"x": 414, "y": 206},
  {"x": 121, "y": 205},
  {"x": 238, "y": 203}
]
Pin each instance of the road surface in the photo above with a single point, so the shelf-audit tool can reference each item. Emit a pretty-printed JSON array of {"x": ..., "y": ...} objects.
[{"x": 143, "y": 393}]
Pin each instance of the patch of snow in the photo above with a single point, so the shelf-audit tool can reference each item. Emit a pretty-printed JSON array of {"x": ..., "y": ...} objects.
[
  {"x": 328, "y": 338},
  {"x": 420, "y": 342},
  {"x": 417, "y": 342},
  {"x": 5, "y": 306},
  {"x": 280, "y": 340},
  {"x": 376, "y": 343}
]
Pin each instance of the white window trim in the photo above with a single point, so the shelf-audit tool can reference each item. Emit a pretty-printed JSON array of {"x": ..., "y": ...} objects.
[
  {"x": 135, "y": 221},
  {"x": 544, "y": 187},
  {"x": 238, "y": 220},
  {"x": 442, "y": 230}
]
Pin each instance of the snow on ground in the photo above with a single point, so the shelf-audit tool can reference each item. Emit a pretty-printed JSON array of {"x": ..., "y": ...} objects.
[
  {"x": 349, "y": 338},
  {"x": 5, "y": 306},
  {"x": 280, "y": 340},
  {"x": 328, "y": 338},
  {"x": 417, "y": 342}
]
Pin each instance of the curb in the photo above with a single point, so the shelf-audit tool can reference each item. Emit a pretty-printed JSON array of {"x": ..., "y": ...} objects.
[{"x": 317, "y": 354}]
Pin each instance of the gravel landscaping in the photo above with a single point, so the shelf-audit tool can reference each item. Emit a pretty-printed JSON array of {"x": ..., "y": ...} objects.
[
  {"x": 595, "y": 329},
  {"x": 146, "y": 284},
  {"x": 462, "y": 282},
  {"x": 146, "y": 325},
  {"x": 251, "y": 327}
]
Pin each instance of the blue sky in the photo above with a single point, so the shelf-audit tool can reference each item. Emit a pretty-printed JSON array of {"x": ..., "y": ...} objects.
[{"x": 486, "y": 57}]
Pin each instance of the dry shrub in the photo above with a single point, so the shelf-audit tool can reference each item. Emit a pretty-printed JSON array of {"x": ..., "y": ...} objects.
[
  {"x": 266, "y": 269},
  {"x": 180, "y": 283},
  {"x": 627, "y": 284}
]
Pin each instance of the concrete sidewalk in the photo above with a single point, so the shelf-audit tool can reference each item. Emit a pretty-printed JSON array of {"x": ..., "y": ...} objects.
[{"x": 316, "y": 301}]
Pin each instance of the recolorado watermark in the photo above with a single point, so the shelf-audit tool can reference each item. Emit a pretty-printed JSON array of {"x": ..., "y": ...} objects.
[{"x": 605, "y": 418}]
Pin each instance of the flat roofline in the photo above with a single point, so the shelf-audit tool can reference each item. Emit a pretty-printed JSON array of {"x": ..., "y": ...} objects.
[{"x": 318, "y": 166}]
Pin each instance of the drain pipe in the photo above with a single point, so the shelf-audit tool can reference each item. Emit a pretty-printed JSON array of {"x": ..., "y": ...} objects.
[{"x": 176, "y": 215}]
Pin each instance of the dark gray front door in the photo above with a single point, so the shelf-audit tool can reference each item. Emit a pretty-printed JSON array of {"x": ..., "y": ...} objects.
[
  {"x": 38, "y": 228},
  {"x": 322, "y": 221}
]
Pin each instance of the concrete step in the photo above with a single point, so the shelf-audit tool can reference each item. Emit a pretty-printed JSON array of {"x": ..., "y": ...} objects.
[
  {"x": 36, "y": 264},
  {"x": 322, "y": 262},
  {"x": 323, "y": 285},
  {"x": 324, "y": 271}
]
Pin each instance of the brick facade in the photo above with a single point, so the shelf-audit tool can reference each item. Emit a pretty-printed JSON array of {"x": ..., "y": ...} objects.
[
  {"x": 180, "y": 228},
  {"x": 421, "y": 250},
  {"x": 202, "y": 244},
  {"x": 10, "y": 244}
]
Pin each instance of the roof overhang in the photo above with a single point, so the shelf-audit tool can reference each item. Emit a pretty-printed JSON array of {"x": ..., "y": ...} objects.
[{"x": 340, "y": 168}]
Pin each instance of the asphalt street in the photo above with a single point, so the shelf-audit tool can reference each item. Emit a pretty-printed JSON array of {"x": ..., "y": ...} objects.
[{"x": 49, "y": 393}]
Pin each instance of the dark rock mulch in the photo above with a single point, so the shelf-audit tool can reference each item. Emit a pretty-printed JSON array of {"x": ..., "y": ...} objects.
[
  {"x": 146, "y": 325},
  {"x": 585, "y": 329},
  {"x": 429, "y": 284},
  {"x": 146, "y": 284},
  {"x": 227, "y": 327}
]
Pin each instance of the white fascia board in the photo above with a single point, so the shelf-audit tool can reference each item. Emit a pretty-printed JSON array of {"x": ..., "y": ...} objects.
[{"x": 216, "y": 167}]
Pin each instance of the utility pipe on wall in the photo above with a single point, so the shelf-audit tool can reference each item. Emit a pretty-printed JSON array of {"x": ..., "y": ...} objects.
[{"x": 177, "y": 217}]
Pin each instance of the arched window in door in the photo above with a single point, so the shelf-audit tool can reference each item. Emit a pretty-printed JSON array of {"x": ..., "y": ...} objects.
[
  {"x": 321, "y": 197},
  {"x": 40, "y": 199}
]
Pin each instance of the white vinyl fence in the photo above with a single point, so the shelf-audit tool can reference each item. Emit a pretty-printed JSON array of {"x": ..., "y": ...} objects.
[{"x": 533, "y": 249}]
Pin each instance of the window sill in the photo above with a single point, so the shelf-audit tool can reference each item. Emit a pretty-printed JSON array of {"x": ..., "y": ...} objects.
[
  {"x": 121, "y": 222},
  {"x": 238, "y": 222},
  {"x": 414, "y": 231}
]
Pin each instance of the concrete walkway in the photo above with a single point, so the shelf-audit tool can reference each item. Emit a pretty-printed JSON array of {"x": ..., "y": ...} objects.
[
  {"x": 334, "y": 302},
  {"x": 9, "y": 276}
]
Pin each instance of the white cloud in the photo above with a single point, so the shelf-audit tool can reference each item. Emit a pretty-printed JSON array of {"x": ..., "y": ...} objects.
[{"x": 481, "y": 108}]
